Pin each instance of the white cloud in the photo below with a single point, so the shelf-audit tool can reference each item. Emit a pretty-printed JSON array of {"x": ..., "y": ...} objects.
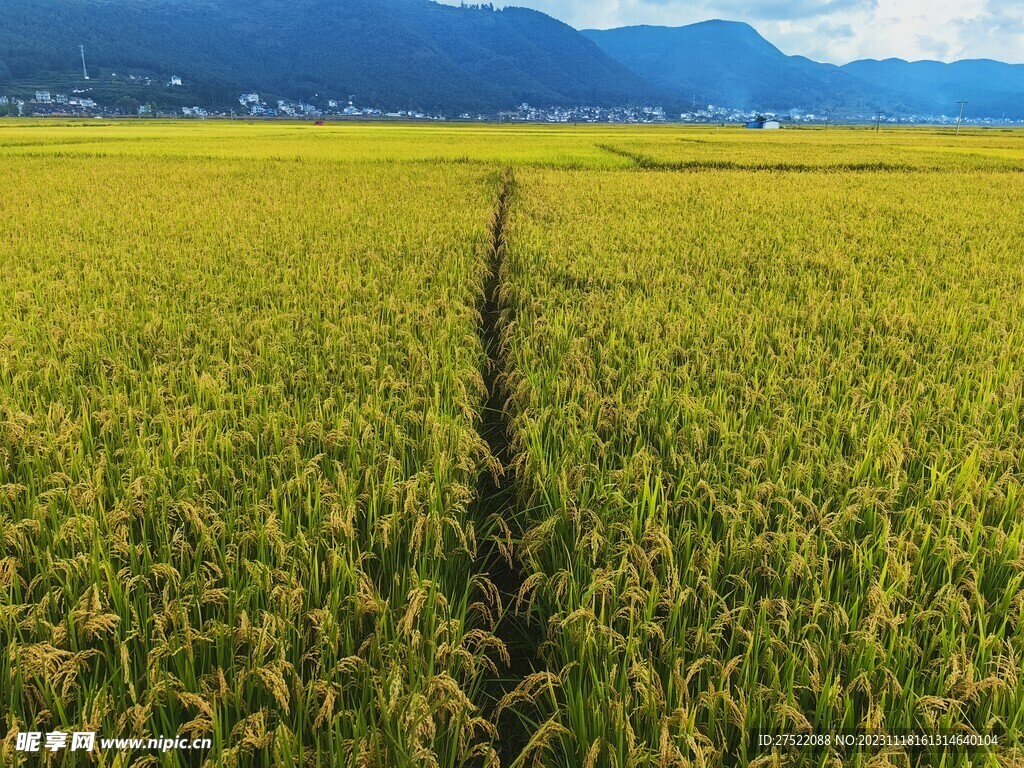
[{"x": 830, "y": 30}]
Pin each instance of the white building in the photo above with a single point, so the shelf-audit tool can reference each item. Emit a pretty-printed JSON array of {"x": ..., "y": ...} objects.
[
  {"x": 43, "y": 97},
  {"x": 249, "y": 98},
  {"x": 175, "y": 80}
]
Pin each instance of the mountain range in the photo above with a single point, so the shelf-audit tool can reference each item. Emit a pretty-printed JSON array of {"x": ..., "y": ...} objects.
[
  {"x": 419, "y": 54},
  {"x": 730, "y": 64}
]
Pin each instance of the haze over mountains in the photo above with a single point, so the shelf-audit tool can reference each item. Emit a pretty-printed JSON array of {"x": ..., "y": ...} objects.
[{"x": 418, "y": 54}]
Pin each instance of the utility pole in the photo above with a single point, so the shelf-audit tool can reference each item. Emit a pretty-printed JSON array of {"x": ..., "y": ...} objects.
[
  {"x": 85, "y": 72},
  {"x": 878, "y": 121},
  {"x": 960, "y": 119}
]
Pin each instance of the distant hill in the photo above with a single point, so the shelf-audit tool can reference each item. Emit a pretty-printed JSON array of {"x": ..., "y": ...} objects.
[
  {"x": 730, "y": 64},
  {"x": 993, "y": 88},
  {"x": 389, "y": 53}
]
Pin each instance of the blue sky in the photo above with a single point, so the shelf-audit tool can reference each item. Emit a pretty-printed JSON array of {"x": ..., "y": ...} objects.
[{"x": 829, "y": 30}]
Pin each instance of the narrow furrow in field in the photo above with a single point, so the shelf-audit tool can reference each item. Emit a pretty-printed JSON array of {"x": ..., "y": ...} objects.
[
  {"x": 649, "y": 163},
  {"x": 496, "y": 506}
]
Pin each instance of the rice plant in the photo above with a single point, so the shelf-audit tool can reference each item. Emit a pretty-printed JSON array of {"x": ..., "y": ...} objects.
[
  {"x": 238, "y": 408},
  {"x": 769, "y": 446}
]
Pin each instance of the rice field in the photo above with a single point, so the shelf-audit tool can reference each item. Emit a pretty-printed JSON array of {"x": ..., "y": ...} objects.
[{"x": 560, "y": 447}]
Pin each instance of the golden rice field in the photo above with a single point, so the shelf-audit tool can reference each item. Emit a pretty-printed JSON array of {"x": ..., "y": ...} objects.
[{"x": 531, "y": 447}]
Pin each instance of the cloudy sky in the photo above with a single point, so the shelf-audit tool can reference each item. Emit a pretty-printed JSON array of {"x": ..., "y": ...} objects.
[{"x": 829, "y": 30}]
